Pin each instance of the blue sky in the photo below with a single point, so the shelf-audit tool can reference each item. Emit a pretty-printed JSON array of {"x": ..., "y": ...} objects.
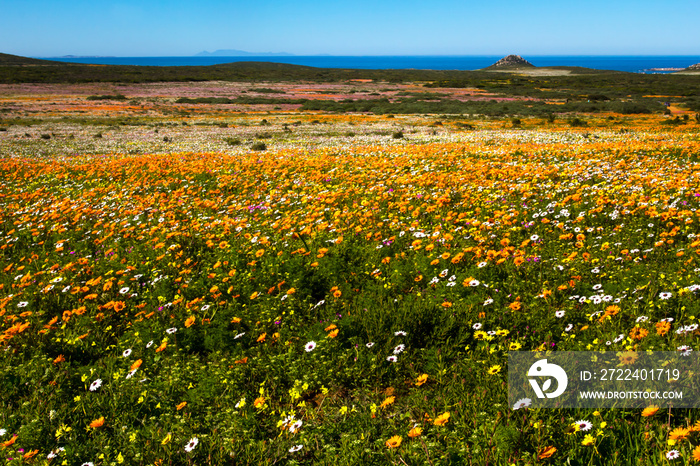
[{"x": 46, "y": 28}]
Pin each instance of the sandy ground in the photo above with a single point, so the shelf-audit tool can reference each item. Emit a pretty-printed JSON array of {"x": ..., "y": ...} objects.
[{"x": 537, "y": 72}]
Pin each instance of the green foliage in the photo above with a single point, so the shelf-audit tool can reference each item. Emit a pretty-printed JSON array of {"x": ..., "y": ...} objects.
[{"x": 258, "y": 146}]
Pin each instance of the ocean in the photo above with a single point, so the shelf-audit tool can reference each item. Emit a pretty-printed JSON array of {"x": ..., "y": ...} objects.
[{"x": 629, "y": 63}]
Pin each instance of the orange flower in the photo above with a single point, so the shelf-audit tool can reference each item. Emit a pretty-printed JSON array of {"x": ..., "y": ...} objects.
[
  {"x": 181, "y": 405},
  {"x": 337, "y": 293},
  {"x": 515, "y": 306},
  {"x": 387, "y": 402},
  {"x": 637, "y": 333},
  {"x": 259, "y": 402},
  {"x": 547, "y": 452},
  {"x": 259, "y": 252},
  {"x": 394, "y": 442},
  {"x": 236, "y": 320},
  {"x": 442, "y": 419},
  {"x": 97, "y": 422},
  {"x": 136, "y": 365},
  {"x": 190, "y": 321},
  {"x": 415, "y": 432},
  {"x": 261, "y": 338},
  {"x": 330, "y": 327},
  {"x": 9, "y": 442},
  {"x": 333, "y": 333},
  {"x": 650, "y": 411},
  {"x": 679, "y": 433},
  {"x": 696, "y": 453},
  {"x": 421, "y": 380},
  {"x": 162, "y": 347},
  {"x": 662, "y": 328},
  {"x": 59, "y": 358}
]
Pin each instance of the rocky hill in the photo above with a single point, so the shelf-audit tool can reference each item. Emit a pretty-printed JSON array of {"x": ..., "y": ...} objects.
[
  {"x": 695, "y": 67},
  {"x": 510, "y": 62}
]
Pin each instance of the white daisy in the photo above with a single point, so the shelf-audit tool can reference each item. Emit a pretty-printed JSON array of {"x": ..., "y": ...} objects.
[
  {"x": 481, "y": 264},
  {"x": 65, "y": 289},
  {"x": 95, "y": 385},
  {"x": 192, "y": 443},
  {"x": 488, "y": 301},
  {"x": 295, "y": 426},
  {"x": 239, "y": 336},
  {"x": 392, "y": 359},
  {"x": 22, "y": 304},
  {"x": 642, "y": 319},
  {"x": 127, "y": 353},
  {"x": 124, "y": 290},
  {"x": 296, "y": 448},
  {"x": 568, "y": 327},
  {"x": 399, "y": 349},
  {"x": 400, "y": 333},
  {"x": 685, "y": 350},
  {"x": 477, "y": 326},
  {"x": 149, "y": 344},
  {"x": 171, "y": 330},
  {"x": 583, "y": 425},
  {"x": 665, "y": 295},
  {"x": 673, "y": 454},
  {"x": 474, "y": 282},
  {"x": 131, "y": 374},
  {"x": 2, "y": 432},
  {"x": 522, "y": 403},
  {"x": 560, "y": 314},
  {"x": 619, "y": 338},
  {"x": 310, "y": 346},
  {"x": 370, "y": 344}
]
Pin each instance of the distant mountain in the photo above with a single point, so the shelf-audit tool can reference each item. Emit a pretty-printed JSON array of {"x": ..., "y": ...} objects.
[
  {"x": 7, "y": 59},
  {"x": 241, "y": 53},
  {"x": 510, "y": 62}
]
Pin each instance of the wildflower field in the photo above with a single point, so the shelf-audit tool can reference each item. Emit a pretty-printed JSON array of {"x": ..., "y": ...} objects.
[{"x": 200, "y": 283}]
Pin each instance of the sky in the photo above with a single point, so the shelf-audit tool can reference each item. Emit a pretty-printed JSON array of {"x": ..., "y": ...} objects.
[{"x": 135, "y": 28}]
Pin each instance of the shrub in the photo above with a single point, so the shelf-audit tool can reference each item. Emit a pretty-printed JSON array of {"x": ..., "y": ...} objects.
[
  {"x": 397, "y": 135},
  {"x": 232, "y": 141},
  {"x": 258, "y": 146},
  {"x": 577, "y": 122}
]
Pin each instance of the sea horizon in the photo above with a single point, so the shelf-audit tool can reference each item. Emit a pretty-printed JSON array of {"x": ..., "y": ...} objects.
[{"x": 627, "y": 63}]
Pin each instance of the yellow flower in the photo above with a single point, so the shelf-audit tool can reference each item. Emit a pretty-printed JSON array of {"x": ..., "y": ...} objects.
[
  {"x": 421, "y": 380},
  {"x": 190, "y": 321},
  {"x": 442, "y": 419},
  {"x": 259, "y": 402},
  {"x": 588, "y": 440},
  {"x": 394, "y": 442},
  {"x": 181, "y": 405},
  {"x": 494, "y": 369},
  {"x": 415, "y": 432},
  {"x": 514, "y": 346}
]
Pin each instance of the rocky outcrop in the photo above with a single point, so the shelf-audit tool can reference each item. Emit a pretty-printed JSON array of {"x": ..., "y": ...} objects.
[
  {"x": 511, "y": 61},
  {"x": 695, "y": 67}
]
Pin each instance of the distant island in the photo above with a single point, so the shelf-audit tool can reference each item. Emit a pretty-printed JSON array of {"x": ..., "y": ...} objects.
[{"x": 241, "y": 53}]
